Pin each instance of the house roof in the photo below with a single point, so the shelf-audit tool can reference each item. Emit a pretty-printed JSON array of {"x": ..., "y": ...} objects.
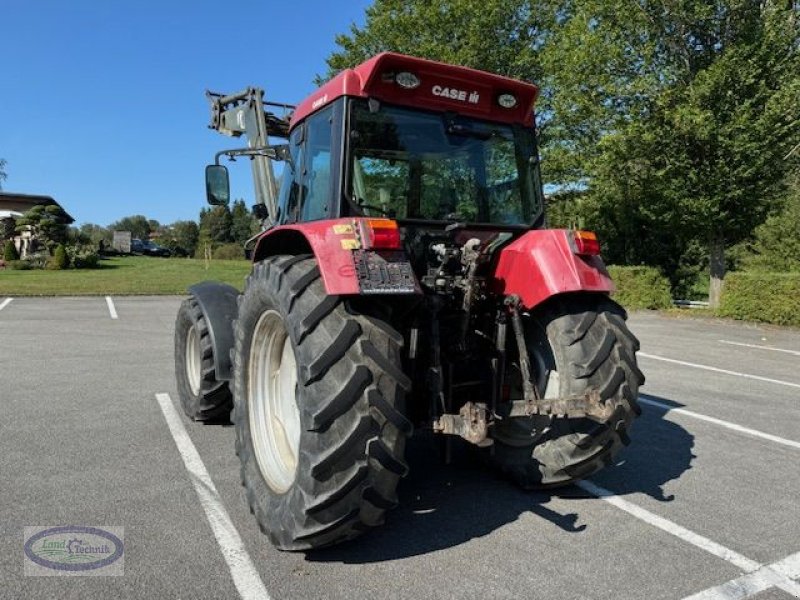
[{"x": 19, "y": 203}]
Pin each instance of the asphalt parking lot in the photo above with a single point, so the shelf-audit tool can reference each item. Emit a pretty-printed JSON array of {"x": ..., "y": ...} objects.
[{"x": 705, "y": 503}]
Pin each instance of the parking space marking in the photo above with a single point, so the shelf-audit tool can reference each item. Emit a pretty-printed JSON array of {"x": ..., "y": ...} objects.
[
  {"x": 245, "y": 576},
  {"x": 111, "y": 308},
  {"x": 745, "y": 564},
  {"x": 5, "y": 303},
  {"x": 778, "y": 574},
  {"x": 716, "y": 370},
  {"x": 720, "y": 422},
  {"x": 774, "y": 575},
  {"x": 795, "y": 352}
]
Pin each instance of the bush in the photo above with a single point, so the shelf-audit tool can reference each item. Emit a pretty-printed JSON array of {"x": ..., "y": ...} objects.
[
  {"x": 762, "y": 296},
  {"x": 60, "y": 259},
  {"x": 36, "y": 261},
  {"x": 20, "y": 265},
  {"x": 86, "y": 261},
  {"x": 229, "y": 252},
  {"x": 640, "y": 287},
  {"x": 10, "y": 251}
]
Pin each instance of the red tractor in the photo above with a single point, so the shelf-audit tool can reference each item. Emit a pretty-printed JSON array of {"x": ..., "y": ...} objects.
[{"x": 404, "y": 279}]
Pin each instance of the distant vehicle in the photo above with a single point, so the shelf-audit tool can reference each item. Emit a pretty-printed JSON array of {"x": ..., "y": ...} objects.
[
  {"x": 137, "y": 246},
  {"x": 148, "y": 248},
  {"x": 153, "y": 249}
]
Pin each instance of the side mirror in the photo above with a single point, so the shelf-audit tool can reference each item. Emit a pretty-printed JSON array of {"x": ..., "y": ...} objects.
[{"x": 218, "y": 187}]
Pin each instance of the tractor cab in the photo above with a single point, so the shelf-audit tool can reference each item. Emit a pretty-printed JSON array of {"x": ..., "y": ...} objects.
[
  {"x": 359, "y": 157},
  {"x": 412, "y": 140}
]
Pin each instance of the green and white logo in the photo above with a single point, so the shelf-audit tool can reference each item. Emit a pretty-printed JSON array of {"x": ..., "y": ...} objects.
[{"x": 73, "y": 550}]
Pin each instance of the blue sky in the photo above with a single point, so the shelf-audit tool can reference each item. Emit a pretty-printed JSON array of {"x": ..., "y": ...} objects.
[{"x": 103, "y": 104}]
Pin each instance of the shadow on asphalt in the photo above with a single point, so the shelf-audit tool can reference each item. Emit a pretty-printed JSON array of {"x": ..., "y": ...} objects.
[{"x": 445, "y": 506}]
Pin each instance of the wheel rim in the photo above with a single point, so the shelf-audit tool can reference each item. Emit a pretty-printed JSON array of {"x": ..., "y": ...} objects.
[
  {"x": 272, "y": 405},
  {"x": 193, "y": 360}
]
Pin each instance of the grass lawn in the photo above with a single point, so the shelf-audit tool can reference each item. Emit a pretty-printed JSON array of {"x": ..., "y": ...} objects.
[{"x": 124, "y": 275}]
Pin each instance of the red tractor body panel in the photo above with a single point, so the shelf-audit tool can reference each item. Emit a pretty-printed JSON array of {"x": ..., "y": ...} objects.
[
  {"x": 331, "y": 249},
  {"x": 348, "y": 264},
  {"x": 542, "y": 264},
  {"x": 442, "y": 88}
]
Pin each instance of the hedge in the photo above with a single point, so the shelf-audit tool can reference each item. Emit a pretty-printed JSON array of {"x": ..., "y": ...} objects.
[
  {"x": 640, "y": 287},
  {"x": 762, "y": 296},
  {"x": 229, "y": 252}
]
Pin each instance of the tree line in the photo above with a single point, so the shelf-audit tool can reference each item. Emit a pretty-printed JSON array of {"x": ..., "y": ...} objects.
[
  {"x": 221, "y": 229},
  {"x": 668, "y": 126}
]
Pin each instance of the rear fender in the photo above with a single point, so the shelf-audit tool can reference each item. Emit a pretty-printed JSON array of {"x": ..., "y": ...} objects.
[
  {"x": 218, "y": 303},
  {"x": 541, "y": 264},
  {"x": 336, "y": 245}
]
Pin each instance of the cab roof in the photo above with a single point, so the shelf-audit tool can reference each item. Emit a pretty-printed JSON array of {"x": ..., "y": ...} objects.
[{"x": 442, "y": 87}]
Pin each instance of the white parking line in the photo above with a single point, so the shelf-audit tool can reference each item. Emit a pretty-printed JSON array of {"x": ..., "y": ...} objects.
[
  {"x": 774, "y": 575},
  {"x": 111, "y": 309},
  {"x": 716, "y": 370},
  {"x": 244, "y": 574},
  {"x": 727, "y": 424},
  {"x": 5, "y": 303},
  {"x": 778, "y": 574},
  {"x": 745, "y": 564},
  {"x": 795, "y": 352}
]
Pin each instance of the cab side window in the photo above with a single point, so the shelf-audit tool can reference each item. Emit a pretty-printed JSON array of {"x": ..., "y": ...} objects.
[
  {"x": 317, "y": 178},
  {"x": 291, "y": 185}
]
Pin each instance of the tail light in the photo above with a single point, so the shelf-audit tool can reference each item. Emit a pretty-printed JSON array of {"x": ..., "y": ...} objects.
[
  {"x": 380, "y": 234},
  {"x": 585, "y": 243}
]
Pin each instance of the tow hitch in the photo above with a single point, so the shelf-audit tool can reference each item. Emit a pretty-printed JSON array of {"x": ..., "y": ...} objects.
[{"x": 474, "y": 418}]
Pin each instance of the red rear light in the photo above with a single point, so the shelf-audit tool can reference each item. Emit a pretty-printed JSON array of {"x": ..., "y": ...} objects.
[
  {"x": 585, "y": 243},
  {"x": 380, "y": 234}
]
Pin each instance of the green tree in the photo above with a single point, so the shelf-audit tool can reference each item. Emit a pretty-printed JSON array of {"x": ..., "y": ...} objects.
[
  {"x": 182, "y": 237},
  {"x": 138, "y": 225},
  {"x": 47, "y": 224},
  {"x": 776, "y": 244},
  {"x": 215, "y": 225},
  {"x": 678, "y": 118},
  {"x": 96, "y": 233},
  {"x": 242, "y": 222},
  {"x": 502, "y": 36}
]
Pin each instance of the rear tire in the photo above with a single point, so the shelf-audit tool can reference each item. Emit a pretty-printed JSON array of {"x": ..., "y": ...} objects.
[
  {"x": 578, "y": 343},
  {"x": 203, "y": 397},
  {"x": 333, "y": 474}
]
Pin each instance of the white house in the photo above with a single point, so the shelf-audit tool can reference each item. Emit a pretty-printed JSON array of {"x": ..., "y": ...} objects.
[{"x": 12, "y": 207}]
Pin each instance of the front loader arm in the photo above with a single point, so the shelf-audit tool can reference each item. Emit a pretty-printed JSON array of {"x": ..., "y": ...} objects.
[{"x": 243, "y": 113}]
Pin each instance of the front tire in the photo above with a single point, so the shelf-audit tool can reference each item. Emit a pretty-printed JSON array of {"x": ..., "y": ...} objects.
[
  {"x": 576, "y": 343},
  {"x": 203, "y": 397},
  {"x": 323, "y": 468}
]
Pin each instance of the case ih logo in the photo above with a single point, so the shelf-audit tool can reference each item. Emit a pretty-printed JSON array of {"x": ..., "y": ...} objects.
[
  {"x": 319, "y": 102},
  {"x": 454, "y": 94}
]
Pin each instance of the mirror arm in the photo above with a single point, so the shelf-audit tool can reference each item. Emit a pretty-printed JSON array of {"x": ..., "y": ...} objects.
[{"x": 273, "y": 152}]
